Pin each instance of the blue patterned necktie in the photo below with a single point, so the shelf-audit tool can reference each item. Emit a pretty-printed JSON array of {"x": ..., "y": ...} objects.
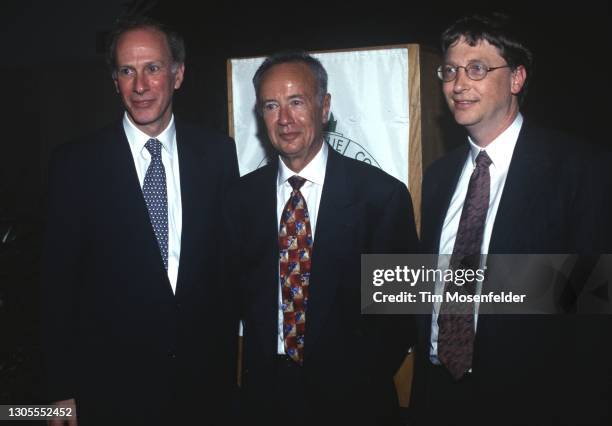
[
  {"x": 156, "y": 197},
  {"x": 456, "y": 320}
]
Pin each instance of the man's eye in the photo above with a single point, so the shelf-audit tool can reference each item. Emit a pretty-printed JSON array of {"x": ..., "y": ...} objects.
[
  {"x": 153, "y": 68},
  {"x": 478, "y": 67},
  {"x": 297, "y": 102},
  {"x": 269, "y": 107},
  {"x": 125, "y": 71}
]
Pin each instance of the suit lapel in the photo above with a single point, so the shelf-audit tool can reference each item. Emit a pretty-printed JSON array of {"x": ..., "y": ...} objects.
[
  {"x": 260, "y": 207},
  {"x": 193, "y": 199},
  {"x": 336, "y": 199},
  {"x": 520, "y": 193},
  {"x": 441, "y": 193},
  {"x": 127, "y": 192},
  {"x": 199, "y": 181}
]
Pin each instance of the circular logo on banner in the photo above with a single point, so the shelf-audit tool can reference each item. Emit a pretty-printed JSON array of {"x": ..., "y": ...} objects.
[{"x": 349, "y": 148}]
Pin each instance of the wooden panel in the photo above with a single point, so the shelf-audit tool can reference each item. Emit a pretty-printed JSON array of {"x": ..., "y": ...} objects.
[
  {"x": 230, "y": 100},
  {"x": 415, "y": 155}
]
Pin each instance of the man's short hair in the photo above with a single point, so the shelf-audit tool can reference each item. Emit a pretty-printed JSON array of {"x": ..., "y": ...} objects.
[
  {"x": 497, "y": 29},
  {"x": 293, "y": 56},
  {"x": 175, "y": 41}
]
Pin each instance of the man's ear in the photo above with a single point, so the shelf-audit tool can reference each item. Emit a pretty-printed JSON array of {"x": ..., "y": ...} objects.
[
  {"x": 178, "y": 76},
  {"x": 519, "y": 75},
  {"x": 326, "y": 107}
]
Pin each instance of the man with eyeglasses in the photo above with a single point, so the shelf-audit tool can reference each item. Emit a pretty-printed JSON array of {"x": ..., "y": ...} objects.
[{"x": 512, "y": 188}]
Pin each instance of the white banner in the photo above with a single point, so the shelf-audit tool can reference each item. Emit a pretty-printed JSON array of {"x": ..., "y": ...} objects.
[{"x": 369, "y": 108}]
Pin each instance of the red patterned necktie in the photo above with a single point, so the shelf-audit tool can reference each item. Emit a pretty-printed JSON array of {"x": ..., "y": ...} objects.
[
  {"x": 295, "y": 248},
  {"x": 456, "y": 320}
]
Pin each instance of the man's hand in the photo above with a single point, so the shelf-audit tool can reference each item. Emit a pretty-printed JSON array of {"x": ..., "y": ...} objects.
[{"x": 69, "y": 421}]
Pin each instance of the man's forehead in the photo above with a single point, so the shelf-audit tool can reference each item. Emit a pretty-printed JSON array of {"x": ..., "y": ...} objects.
[
  {"x": 478, "y": 50},
  {"x": 292, "y": 78},
  {"x": 144, "y": 39},
  {"x": 294, "y": 71}
]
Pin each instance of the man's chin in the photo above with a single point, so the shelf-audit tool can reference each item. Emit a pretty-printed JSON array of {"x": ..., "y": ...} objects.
[
  {"x": 289, "y": 149},
  {"x": 464, "y": 119},
  {"x": 140, "y": 119}
]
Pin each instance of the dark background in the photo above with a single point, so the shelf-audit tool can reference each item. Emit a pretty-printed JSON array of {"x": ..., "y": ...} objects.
[{"x": 55, "y": 87}]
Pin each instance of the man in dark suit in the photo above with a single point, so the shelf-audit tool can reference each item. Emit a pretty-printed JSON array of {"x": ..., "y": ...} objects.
[
  {"x": 135, "y": 325},
  {"x": 299, "y": 226},
  {"x": 538, "y": 198}
]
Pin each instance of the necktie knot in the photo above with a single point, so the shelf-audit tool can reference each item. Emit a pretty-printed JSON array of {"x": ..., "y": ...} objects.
[
  {"x": 154, "y": 147},
  {"x": 296, "y": 182},
  {"x": 483, "y": 160}
]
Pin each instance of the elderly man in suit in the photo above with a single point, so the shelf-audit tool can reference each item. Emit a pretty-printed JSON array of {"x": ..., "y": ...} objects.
[
  {"x": 299, "y": 226},
  {"x": 136, "y": 330},
  {"x": 513, "y": 188}
]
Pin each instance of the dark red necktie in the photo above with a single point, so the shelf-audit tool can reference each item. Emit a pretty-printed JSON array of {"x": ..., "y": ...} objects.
[
  {"x": 456, "y": 320},
  {"x": 295, "y": 248}
]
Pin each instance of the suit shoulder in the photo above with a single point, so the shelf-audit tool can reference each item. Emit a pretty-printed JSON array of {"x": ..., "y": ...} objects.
[
  {"x": 555, "y": 148},
  {"x": 537, "y": 132},
  {"x": 206, "y": 141},
  {"x": 248, "y": 188},
  {"x": 447, "y": 161},
  {"x": 366, "y": 174},
  {"x": 90, "y": 144},
  {"x": 452, "y": 157},
  {"x": 257, "y": 176},
  {"x": 205, "y": 134}
]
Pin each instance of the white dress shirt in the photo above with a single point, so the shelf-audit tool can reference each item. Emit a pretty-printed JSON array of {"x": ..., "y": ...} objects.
[
  {"x": 500, "y": 151},
  {"x": 314, "y": 173},
  {"x": 170, "y": 159}
]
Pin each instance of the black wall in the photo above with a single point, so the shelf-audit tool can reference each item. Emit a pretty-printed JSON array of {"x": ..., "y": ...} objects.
[
  {"x": 58, "y": 88},
  {"x": 55, "y": 87}
]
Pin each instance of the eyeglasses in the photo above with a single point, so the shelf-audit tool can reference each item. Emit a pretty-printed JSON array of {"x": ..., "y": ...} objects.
[{"x": 474, "y": 71}]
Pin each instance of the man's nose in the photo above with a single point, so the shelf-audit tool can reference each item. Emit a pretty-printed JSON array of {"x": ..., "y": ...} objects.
[
  {"x": 462, "y": 81},
  {"x": 284, "y": 115},
  {"x": 141, "y": 83}
]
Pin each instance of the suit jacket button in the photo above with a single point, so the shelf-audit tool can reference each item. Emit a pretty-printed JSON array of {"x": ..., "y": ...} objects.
[{"x": 171, "y": 355}]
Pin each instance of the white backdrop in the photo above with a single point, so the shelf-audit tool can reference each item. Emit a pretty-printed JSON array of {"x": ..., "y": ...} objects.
[{"x": 369, "y": 104}]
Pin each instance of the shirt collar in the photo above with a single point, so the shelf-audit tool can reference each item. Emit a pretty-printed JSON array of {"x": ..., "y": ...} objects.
[
  {"x": 313, "y": 172},
  {"x": 501, "y": 148},
  {"x": 137, "y": 138}
]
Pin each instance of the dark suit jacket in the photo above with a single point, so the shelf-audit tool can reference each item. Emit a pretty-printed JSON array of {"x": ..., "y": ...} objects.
[
  {"x": 526, "y": 369},
  {"x": 116, "y": 337},
  {"x": 349, "y": 359}
]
